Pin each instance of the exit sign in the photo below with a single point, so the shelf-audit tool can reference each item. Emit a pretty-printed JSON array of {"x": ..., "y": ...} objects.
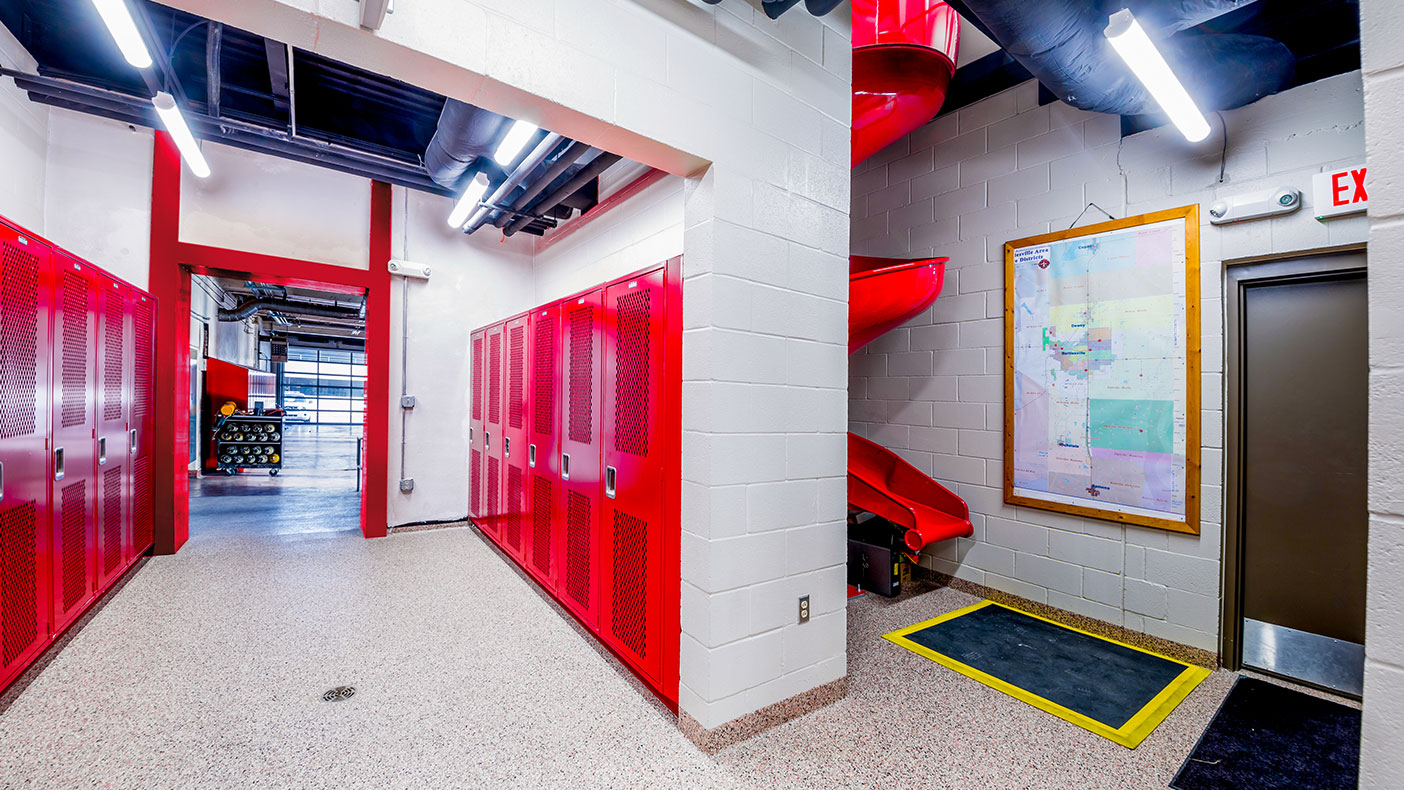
[{"x": 1340, "y": 192}]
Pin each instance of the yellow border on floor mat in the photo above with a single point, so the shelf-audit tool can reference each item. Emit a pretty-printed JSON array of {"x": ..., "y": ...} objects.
[{"x": 1129, "y": 735}]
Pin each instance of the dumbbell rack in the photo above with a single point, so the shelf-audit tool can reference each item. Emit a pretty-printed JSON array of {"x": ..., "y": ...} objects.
[{"x": 243, "y": 439}]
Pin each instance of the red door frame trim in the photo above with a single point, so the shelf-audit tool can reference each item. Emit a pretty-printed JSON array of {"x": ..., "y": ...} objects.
[{"x": 172, "y": 262}]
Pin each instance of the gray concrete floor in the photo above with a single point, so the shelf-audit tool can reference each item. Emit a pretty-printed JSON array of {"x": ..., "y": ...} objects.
[{"x": 207, "y": 669}]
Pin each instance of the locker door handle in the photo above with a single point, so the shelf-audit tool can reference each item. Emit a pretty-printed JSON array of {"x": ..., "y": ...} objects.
[
  {"x": 610, "y": 475},
  {"x": 58, "y": 463},
  {"x": 565, "y": 466},
  {"x": 487, "y": 441},
  {"x": 134, "y": 441},
  {"x": 531, "y": 455},
  {"x": 102, "y": 451},
  {"x": 506, "y": 447},
  {"x": 470, "y": 436},
  {"x": 2, "y": 481}
]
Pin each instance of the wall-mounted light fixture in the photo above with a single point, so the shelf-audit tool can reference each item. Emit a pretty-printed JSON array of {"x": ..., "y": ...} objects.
[{"x": 1130, "y": 41}]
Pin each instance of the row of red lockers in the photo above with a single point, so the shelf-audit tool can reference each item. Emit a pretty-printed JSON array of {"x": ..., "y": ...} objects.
[
  {"x": 575, "y": 454},
  {"x": 76, "y": 409}
]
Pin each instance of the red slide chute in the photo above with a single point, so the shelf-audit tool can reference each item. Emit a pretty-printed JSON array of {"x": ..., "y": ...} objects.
[
  {"x": 884, "y": 293},
  {"x": 904, "y": 54}
]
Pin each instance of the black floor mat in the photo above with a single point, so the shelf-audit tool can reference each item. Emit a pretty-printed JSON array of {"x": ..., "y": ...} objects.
[{"x": 1269, "y": 736}]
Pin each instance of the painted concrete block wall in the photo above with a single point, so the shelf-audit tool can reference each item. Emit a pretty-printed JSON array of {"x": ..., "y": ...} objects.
[
  {"x": 475, "y": 280},
  {"x": 24, "y": 133},
  {"x": 97, "y": 201},
  {"x": 249, "y": 198},
  {"x": 1005, "y": 168},
  {"x": 1382, "y": 53}
]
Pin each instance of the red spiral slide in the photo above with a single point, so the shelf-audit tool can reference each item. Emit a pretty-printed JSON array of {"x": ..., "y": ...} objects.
[
  {"x": 883, "y": 294},
  {"x": 904, "y": 54}
]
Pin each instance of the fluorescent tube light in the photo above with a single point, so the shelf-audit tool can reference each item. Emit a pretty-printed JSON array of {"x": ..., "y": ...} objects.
[
  {"x": 175, "y": 124},
  {"x": 513, "y": 142},
  {"x": 468, "y": 201},
  {"x": 1130, "y": 41},
  {"x": 123, "y": 28}
]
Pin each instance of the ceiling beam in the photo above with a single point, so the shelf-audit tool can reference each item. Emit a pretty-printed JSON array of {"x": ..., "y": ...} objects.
[
  {"x": 214, "y": 43},
  {"x": 277, "y": 54}
]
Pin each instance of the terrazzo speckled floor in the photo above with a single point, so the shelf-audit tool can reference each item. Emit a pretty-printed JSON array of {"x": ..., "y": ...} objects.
[{"x": 206, "y": 671}]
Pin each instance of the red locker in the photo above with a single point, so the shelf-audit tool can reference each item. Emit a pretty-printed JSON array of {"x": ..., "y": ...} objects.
[
  {"x": 114, "y": 354},
  {"x": 26, "y": 593},
  {"x": 543, "y": 459},
  {"x": 632, "y": 522},
  {"x": 142, "y": 313},
  {"x": 73, "y": 466},
  {"x": 492, "y": 435},
  {"x": 475, "y": 428},
  {"x": 582, "y": 349},
  {"x": 514, "y": 433}
]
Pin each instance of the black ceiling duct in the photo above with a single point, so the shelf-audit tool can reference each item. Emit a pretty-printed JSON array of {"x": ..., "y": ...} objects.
[
  {"x": 465, "y": 133},
  {"x": 250, "y": 307},
  {"x": 1061, "y": 43}
]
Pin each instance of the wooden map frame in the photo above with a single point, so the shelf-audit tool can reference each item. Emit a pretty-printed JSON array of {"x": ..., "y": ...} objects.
[{"x": 1190, "y": 524}]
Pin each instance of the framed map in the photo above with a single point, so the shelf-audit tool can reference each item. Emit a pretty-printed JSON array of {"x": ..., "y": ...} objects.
[{"x": 1101, "y": 377}]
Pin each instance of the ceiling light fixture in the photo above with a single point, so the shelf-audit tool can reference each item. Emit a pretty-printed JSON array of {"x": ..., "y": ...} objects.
[
  {"x": 468, "y": 201},
  {"x": 513, "y": 143},
  {"x": 1130, "y": 41},
  {"x": 185, "y": 141},
  {"x": 123, "y": 28}
]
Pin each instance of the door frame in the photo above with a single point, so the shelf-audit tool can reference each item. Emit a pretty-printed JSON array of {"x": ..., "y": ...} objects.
[
  {"x": 172, "y": 262},
  {"x": 1304, "y": 266}
]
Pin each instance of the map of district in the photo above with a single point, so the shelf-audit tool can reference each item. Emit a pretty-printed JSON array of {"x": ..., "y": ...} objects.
[{"x": 1100, "y": 370}]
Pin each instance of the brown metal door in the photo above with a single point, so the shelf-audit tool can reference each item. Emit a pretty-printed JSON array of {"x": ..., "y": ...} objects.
[{"x": 1305, "y": 374}]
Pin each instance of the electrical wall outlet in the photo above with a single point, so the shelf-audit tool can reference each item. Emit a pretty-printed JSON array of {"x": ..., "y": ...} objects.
[
  {"x": 407, "y": 401},
  {"x": 804, "y": 608},
  {"x": 407, "y": 485}
]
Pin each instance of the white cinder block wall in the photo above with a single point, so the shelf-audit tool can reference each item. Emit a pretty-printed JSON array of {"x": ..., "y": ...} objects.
[
  {"x": 1382, "y": 53},
  {"x": 763, "y": 106},
  {"x": 24, "y": 136},
  {"x": 1005, "y": 168}
]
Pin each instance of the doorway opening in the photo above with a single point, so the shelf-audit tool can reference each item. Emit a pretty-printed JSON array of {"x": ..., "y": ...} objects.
[
  {"x": 278, "y": 380},
  {"x": 1296, "y": 465}
]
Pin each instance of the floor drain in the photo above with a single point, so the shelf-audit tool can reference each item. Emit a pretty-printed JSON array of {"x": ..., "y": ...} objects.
[{"x": 339, "y": 693}]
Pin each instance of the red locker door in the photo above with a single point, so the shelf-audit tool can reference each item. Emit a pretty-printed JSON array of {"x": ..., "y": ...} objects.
[
  {"x": 543, "y": 459},
  {"x": 26, "y": 303},
  {"x": 113, "y": 465},
  {"x": 139, "y": 443},
  {"x": 492, "y": 435},
  {"x": 73, "y": 463},
  {"x": 631, "y": 527},
  {"x": 475, "y": 427},
  {"x": 514, "y": 443},
  {"x": 582, "y": 346}
]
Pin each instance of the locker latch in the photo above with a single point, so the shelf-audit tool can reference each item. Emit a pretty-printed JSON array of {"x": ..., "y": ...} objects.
[
  {"x": 2, "y": 481},
  {"x": 565, "y": 466},
  {"x": 470, "y": 436},
  {"x": 609, "y": 481},
  {"x": 58, "y": 463},
  {"x": 102, "y": 450},
  {"x": 134, "y": 441},
  {"x": 487, "y": 440},
  {"x": 506, "y": 447},
  {"x": 531, "y": 455}
]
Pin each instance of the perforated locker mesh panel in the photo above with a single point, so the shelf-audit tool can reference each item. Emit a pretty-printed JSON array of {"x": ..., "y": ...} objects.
[
  {"x": 477, "y": 378},
  {"x": 493, "y": 487},
  {"x": 543, "y": 379},
  {"x": 111, "y": 519},
  {"x": 514, "y": 507},
  {"x": 578, "y": 547},
  {"x": 476, "y": 484},
  {"x": 541, "y": 491},
  {"x": 75, "y": 349},
  {"x": 114, "y": 339},
  {"x": 19, "y": 337},
  {"x": 629, "y": 604},
  {"x": 73, "y": 501},
  {"x": 495, "y": 379},
  {"x": 582, "y": 370},
  {"x": 516, "y": 376},
  {"x": 142, "y": 516},
  {"x": 144, "y": 342},
  {"x": 18, "y": 577},
  {"x": 631, "y": 372}
]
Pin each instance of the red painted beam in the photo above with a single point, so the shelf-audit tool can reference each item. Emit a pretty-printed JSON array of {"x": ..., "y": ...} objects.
[{"x": 171, "y": 286}]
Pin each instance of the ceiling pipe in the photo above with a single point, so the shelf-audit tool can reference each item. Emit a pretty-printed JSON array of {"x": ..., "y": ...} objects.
[
  {"x": 567, "y": 158},
  {"x": 250, "y": 307},
  {"x": 519, "y": 173},
  {"x": 587, "y": 173},
  {"x": 465, "y": 134}
]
